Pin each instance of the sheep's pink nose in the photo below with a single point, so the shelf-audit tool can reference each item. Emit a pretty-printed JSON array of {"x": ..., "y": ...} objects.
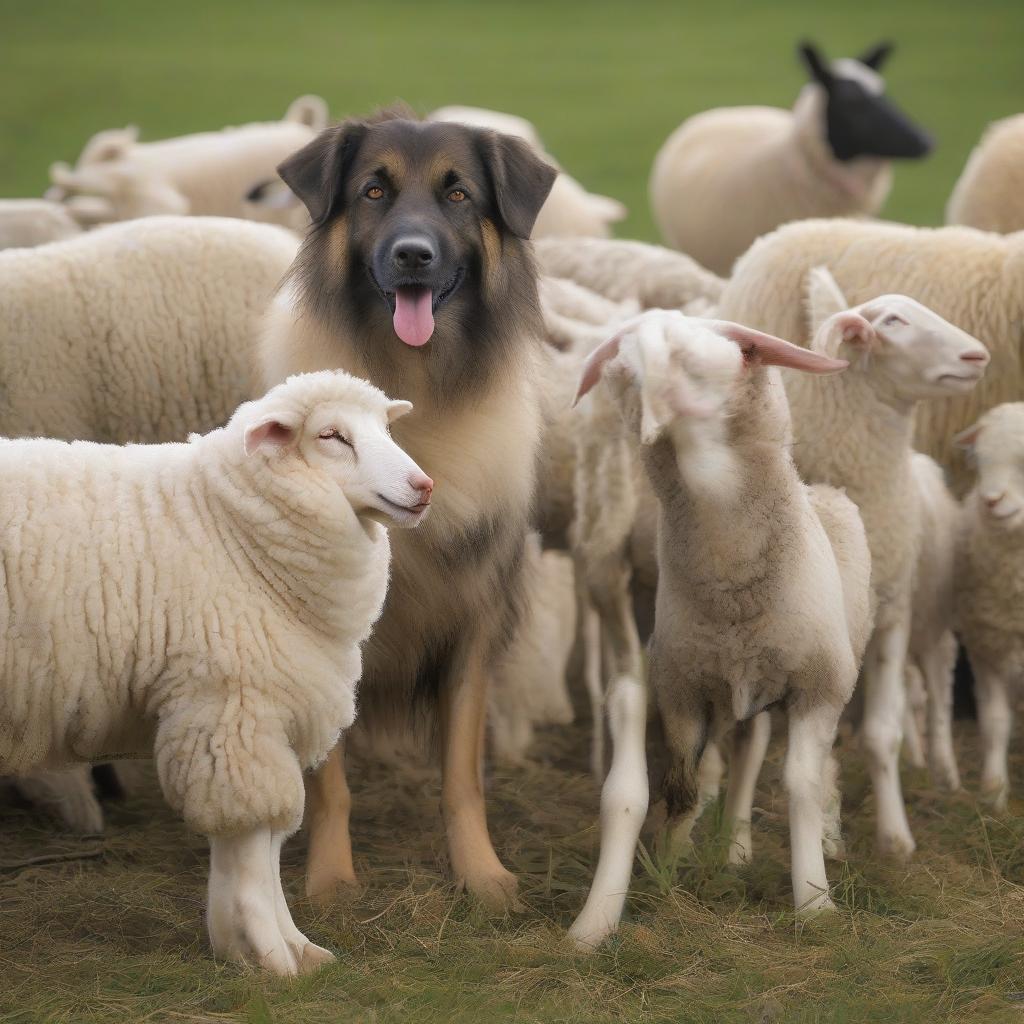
[
  {"x": 422, "y": 483},
  {"x": 974, "y": 357},
  {"x": 993, "y": 499}
]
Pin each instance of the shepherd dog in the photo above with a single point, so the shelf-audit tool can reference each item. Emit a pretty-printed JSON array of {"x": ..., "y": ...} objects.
[{"x": 417, "y": 274}]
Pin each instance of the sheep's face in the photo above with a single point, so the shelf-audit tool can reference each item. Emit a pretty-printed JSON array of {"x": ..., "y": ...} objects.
[
  {"x": 996, "y": 444},
  {"x": 910, "y": 351},
  {"x": 345, "y": 439}
]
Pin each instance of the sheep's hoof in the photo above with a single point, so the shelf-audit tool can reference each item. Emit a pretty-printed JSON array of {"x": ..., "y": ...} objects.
[
  {"x": 834, "y": 848},
  {"x": 896, "y": 846},
  {"x": 995, "y": 795},
  {"x": 496, "y": 891},
  {"x": 313, "y": 957},
  {"x": 332, "y": 890}
]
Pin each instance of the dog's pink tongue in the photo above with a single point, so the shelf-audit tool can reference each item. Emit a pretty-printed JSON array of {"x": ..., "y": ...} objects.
[{"x": 414, "y": 317}]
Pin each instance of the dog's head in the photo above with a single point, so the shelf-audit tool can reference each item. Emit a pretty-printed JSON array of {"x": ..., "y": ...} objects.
[{"x": 418, "y": 229}]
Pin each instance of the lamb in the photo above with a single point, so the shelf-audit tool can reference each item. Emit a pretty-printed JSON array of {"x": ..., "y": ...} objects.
[
  {"x": 990, "y": 583},
  {"x": 570, "y": 210},
  {"x": 207, "y": 174},
  {"x": 931, "y": 655},
  {"x": 529, "y": 684},
  {"x": 656, "y": 277},
  {"x": 213, "y": 619},
  {"x": 763, "y": 590},
  {"x": 141, "y": 331},
  {"x": 28, "y": 222},
  {"x": 972, "y": 279},
  {"x": 729, "y": 175},
  {"x": 854, "y": 431},
  {"x": 989, "y": 194}
]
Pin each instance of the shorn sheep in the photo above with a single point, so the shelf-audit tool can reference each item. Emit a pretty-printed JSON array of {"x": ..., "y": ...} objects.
[
  {"x": 28, "y": 222},
  {"x": 854, "y": 431},
  {"x": 989, "y": 194},
  {"x": 990, "y": 584},
  {"x": 205, "y": 602},
  {"x": 208, "y": 173},
  {"x": 970, "y": 278},
  {"x": 763, "y": 588},
  {"x": 727, "y": 176}
]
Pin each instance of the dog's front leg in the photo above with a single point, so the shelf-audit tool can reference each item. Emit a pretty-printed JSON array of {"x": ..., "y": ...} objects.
[{"x": 463, "y": 721}]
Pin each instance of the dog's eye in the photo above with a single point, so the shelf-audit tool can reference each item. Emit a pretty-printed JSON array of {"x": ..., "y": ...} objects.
[
  {"x": 456, "y": 195},
  {"x": 374, "y": 192},
  {"x": 334, "y": 435}
]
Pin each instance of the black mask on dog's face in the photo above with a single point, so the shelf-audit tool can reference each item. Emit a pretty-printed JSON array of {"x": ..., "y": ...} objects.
[{"x": 859, "y": 121}]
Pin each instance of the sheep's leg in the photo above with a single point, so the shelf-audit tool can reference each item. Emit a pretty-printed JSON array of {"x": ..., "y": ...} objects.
[
  {"x": 811, "y": 735},
  {"x": 939, "y": 665},
  {"x": 686, "y": 734},
  {"x": 463, "y": 723},
  {"x": 833, "y": 843},
  {"x": 913, "y": 712},
  {"x": 591, "y": 632},
  {"x": 308, "y": 955},
  {"x": 995, "y": 722},
  {"x": 624, "y": 798},
  {"x": 749, "y": 745},
  {"x": 329, "y": 803},
  {"x": 241, "y": 911},
  {"x": 883, "y": 734},
  {"x": 66, "y": 793}
]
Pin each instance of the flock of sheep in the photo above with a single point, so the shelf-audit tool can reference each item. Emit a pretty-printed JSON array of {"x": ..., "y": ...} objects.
[{"x": 791, "y": 532}]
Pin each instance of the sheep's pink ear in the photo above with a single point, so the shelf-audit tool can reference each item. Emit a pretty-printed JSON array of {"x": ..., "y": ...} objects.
[
  {"x": 398, "y": 409},
  {"x": 768, "y": 350},
  {"x": 967, "y": 439},
  {"x": 269, "y": 434},
  {"x": 855, "y": 329},
  {"x": 595, "y": 364}
]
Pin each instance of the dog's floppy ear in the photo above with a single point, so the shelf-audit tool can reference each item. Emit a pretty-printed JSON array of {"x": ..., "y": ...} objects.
[
  {"x": 520, "y": 178},
  {"x": 317, "y": 172}
]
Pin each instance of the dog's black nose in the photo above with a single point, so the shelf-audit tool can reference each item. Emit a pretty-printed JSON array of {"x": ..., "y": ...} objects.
[{"x": 413, "y": 252}]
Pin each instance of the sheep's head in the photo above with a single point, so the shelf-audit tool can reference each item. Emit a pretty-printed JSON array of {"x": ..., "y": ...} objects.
[
  {"x": 337, "y": 426},
  {"x": 911, "y": 352},
  {"x": 996, "y": 445}
]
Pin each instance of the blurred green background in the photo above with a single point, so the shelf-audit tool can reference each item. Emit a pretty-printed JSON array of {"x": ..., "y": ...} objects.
[{"x": 604, "y": 81}]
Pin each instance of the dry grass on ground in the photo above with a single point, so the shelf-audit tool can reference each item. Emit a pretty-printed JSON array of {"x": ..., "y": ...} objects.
[{"x": 116, "y": 934}]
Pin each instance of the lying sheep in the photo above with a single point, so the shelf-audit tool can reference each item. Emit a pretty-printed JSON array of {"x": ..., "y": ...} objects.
[
  {"x": 970, "y": 278},
  {"x": 989, "y": 194},
  {"x": 854, "y": 431},
  {"x": 207, "y": 174},
  {"x": 990, "y": 584},
  {"x": 763, "y": 592},
  {"x": 205, "y": 602},
  {"x": 570, "y": 210},
  {"x": 656, "y": 277},
  {"x": 28, "y": 222},
  {"x": 529, "y": 687},
  {"x": 727, "y": 176}
]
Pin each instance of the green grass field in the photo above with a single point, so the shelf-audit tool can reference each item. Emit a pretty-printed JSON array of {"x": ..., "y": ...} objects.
[
  {"x": 110, "y": 931},
  {"x": 604, "y": 81}
]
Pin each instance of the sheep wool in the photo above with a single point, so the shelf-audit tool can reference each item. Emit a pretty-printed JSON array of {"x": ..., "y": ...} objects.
[
  {"x": 29, "y": 222},
  {"x": 989, "y": 194}
]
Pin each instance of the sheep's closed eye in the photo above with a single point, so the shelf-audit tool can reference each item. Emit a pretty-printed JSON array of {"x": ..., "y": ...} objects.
[
  {"x": 892, "y": 320},
  {"x": 334, "y": 435}
]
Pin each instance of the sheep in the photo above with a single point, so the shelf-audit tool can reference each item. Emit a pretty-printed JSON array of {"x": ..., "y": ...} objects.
[
  {"x": 763, "y": 588},
  {"x": 989, "y": 194},
  {"x": 854, "y": 431},
  {"x": 28, "y": 222},
  {"x": 529, "y": 684},
  {"x": 205, "y": 602},
  {"x": 141, "y": 331},
  {"x": 971, "y": 278},
  {"x": 570, "y": 210},
  {"x": 207, "y": 174},
  {"x": 728, "y": 175},
  {"x": 931, "y": 654},
  {"x": 656, "y": 277},
  {"x": 990, "y": 583}
]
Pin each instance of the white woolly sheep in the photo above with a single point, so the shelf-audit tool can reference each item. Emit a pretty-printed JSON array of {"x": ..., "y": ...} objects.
[
  {"x": 971, "y": 278},
  {"x": 570, "y": 210},
  {"x": 28, "y": 222},
  {"x": 529, "y": 683},
  {"x": 854, "y": 431},
  {"x": 741, "y": 540},
  {"x": 990, "y": 584},
  {"x": 931, "y": 655},
  {"x": 652, "y": 275},
  {"x": 726, "y": 176},
  {"x": 207, "y": 174},
  {"x": 989, "y": 194},
  {"x": 205, "y": 602}
]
